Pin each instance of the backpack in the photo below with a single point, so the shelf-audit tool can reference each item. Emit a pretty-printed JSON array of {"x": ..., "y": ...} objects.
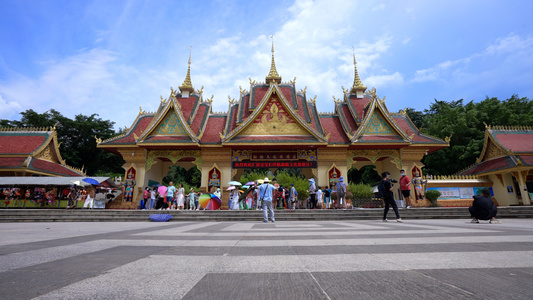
[
  {"x": 381, "y": 189},
  {"x": 341, "y": 190}
]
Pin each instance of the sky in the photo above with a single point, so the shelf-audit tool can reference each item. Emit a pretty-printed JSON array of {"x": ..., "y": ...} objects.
[{"x": 112, "y": 57}]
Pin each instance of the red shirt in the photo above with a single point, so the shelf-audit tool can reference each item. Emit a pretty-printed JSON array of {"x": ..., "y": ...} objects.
[{"x": 404, "y": 183}]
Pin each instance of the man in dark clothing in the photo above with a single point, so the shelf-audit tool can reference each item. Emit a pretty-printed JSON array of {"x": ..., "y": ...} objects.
[
  {"x": 385, "y": 189},
  {"x": 483, "y": 208}
]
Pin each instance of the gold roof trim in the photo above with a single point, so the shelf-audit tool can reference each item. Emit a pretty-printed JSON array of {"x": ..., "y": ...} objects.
[
  {"x": 187, "y": 84},
  {"x": 357, "y": 84},
  {"x": 273, "y": 75}
]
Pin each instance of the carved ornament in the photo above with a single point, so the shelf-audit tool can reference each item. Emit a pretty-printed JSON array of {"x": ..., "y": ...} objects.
[{"x": 174, "y": 156}]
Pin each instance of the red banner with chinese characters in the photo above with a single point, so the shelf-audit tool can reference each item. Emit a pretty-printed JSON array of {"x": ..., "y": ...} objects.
[{"x": 275, "y": 164}]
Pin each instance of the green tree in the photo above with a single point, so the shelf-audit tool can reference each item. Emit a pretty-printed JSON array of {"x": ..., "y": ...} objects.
[{"x": 465, "y": 123}]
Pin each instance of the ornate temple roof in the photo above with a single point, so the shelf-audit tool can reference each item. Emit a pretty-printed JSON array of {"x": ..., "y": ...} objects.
[
  {"x": 505, "y": 148},
  {"x": 272, "y": 112},
  {"x": 32, "y": 151}
]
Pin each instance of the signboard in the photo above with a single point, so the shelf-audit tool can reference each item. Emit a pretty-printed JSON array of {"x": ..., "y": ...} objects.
[
  {"x": 275, "y": 164},
  {"x": 459, "y": 192}
]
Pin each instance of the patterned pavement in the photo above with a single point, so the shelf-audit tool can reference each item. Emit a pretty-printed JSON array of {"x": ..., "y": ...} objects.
[{"x": 418, "y": 259}]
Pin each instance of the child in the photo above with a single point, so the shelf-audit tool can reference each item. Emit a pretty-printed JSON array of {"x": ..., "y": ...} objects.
[{"x": 192, "y": 199}]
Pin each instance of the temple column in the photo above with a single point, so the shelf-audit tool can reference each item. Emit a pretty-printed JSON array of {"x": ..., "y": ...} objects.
[
  {"x": 222, "y": 158},
  {"x": 135, "y": 158},
  {"x": 326, "y": 158}
]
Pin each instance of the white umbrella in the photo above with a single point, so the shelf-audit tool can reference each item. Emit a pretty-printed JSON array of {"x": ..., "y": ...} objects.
[
  {"x": 234, "y": 183},
  {"x": 230, "y": 188},
  {"x": 77, "y": 182}
]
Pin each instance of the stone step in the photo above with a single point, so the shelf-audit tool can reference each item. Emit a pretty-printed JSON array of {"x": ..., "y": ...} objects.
[{"x": 109, "y": 215}]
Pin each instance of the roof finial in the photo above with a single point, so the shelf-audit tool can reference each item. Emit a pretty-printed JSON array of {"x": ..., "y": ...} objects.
[
  {"x": 357, "y": 84},
  {"x": 273, "y": 75},
  {"x": 187, "y": 84}
]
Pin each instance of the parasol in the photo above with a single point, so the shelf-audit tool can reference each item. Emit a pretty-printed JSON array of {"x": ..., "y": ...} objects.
[
  {"x": 91, "y": 181},
  {"x": 160, "y": 217},
  {"x": 234, "y": 183},
  {"x": 230, "y": 188},
  {"x": 209, "y": 201},
  {"x": 249, "y": 183},
  {"x": 244, "y": 187},
  {"x": 77, "y": 182},
  {"x": 162, "y": 190}
]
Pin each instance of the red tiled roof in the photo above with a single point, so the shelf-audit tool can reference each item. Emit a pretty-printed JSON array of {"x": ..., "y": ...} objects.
[
  {"x": 51, "y": 167},
  {"x": 129, "y": 139},
  {"x": 259, "y": 93},
  {"x": 332, "y": 125},
  {"x": 21, "y": 142},
  {"x": 11, "y": 162},
  {"x": 215, "y": 126},
  {"x": 517, "y": 142},
  {"x": 359, "y": 105},
  {"x": 287, "y": 93},
  {"x": 349, "y": 118},
  {"x": 233, "y": 115},
  {"x": 244, "y": 106},
  {"x": 187, "y": 105},
  {"x": 200, "y": 116},
  {"x": 527, "y": 159},
  {"x": 404, "y": 125},
  {"x": 490, "y": 166}
]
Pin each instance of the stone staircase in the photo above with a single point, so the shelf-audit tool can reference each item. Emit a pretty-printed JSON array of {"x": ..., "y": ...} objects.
[{"x": 112, "y": 215}]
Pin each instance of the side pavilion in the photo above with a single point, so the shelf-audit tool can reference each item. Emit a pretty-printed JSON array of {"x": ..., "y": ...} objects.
[{"x": 507, "y": 160}]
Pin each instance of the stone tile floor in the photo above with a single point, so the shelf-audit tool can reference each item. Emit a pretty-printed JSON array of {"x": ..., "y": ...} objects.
[{"x": 418, "y": 259}]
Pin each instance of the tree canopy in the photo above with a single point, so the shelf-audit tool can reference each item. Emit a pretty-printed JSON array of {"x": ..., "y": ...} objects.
[
  {"x": 465, "y": 123},
  {"x": 76, "y": 136}
]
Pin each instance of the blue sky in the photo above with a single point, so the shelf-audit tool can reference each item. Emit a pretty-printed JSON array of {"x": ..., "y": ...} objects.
[{"x": 111, "y": 57}]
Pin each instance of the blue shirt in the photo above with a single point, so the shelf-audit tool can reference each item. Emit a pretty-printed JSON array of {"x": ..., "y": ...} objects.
[{"x": 265, "y": 191}]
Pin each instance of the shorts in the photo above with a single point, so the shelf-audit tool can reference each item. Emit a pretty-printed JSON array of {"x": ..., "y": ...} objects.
[
  {"x": 170, "y": 200},
  {"x": 406, "y": 193}
]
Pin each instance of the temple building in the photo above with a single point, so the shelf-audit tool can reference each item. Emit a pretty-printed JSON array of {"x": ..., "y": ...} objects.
[
  {"x": 507, "y": 160},
  {"x": 32, "y": 152},
  {"x": 271, "y": 125}
]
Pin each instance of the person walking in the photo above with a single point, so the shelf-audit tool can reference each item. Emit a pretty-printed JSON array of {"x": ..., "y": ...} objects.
[
  {"x": 293, "y": 195},
  {"x": 89, "y": 202},
  {"x": 181, "y": 197},
  {"x": 319, "y": 200},
  {"x": 266, "y": 191},
  {"x": 341, "y": 193},
  {"x": 327, "y": 197},
  {"x": 152, "y": 199},
  {"x": 312, "y": 193},
  {"x": 385, "y": 188},
  {"x": 146, "y": 196},
  {"x": 234, "y": 199},
  {"x": 170, "y": 195},
  {"x": 405, "y": 187},
  {"x": 483, "y": 208}
]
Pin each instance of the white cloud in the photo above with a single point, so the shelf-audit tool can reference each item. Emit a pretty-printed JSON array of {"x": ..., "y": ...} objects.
[
  {"x": 384, "y": 80},
  {"x": 8, "y": 108},
  {"x": 511, "y": 49},
  {"x": 379, "y": 7}
]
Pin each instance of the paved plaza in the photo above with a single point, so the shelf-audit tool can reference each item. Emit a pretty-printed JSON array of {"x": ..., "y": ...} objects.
[{"x": 418, "y": 259}]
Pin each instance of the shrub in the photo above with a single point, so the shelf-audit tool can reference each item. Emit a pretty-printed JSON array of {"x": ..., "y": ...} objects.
[
  {"x": 432, "y": 196},
  {"x": 361, "y": 190}
]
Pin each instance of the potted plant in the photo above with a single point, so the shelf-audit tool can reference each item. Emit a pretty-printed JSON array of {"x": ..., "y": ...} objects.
[
  {"x": 361, "y": 194},
  {"x": 432, "y": 196}
]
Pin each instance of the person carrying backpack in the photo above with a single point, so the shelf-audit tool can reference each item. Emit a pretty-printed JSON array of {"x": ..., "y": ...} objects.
[
  {"x": 341, "y": 193},
  {"x": 385, "y": 192}
]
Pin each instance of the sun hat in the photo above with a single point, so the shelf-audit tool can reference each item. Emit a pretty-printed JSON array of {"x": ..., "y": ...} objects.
[{"x": 266, "y": 179}]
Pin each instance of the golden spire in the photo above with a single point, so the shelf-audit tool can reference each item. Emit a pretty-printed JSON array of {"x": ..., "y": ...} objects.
[
  {"x": 357, "y": 84},
  {"x": 187, "y": 84},
  {"x": 273, "y": 75}
]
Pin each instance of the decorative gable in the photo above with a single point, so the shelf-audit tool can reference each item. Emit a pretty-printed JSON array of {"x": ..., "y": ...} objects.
[
  {"x": 171, "y": 125},
  {"x": 274, "y": 120},
  {"x": 377, "y": 125}
]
